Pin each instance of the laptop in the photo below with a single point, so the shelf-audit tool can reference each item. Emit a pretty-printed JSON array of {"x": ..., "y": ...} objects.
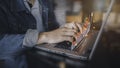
[
  {"x": 80, "y": 50},
  {"x": 85, "y": 46}
]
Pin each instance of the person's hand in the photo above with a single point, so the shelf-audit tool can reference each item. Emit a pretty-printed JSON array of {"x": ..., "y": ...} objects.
[
  {"x": 56, "y": 36},
  {"x": 74, "y": 25}
]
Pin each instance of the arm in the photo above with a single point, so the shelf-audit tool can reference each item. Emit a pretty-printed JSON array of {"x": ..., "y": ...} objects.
[
  {"x": 10, "y": 43},
  {"x": 32, "y": 37},
  {"x": 8, "y": 38}
]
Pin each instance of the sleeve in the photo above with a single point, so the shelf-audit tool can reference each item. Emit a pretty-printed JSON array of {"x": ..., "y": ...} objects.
[
  {"x": 30, "y": 38},
  {"x": 11, "y": 44}
]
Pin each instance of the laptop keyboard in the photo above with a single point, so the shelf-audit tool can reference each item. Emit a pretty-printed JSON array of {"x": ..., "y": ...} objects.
[
  {"x": 80, "y": 37},
  {"x": 64, "y": 45}
]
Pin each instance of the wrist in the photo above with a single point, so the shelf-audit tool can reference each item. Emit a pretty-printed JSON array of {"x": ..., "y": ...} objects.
[{"x": 42, "y": 38}]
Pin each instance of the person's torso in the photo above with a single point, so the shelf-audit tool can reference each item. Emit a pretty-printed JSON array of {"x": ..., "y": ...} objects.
[{"x": 18, "y": 19}]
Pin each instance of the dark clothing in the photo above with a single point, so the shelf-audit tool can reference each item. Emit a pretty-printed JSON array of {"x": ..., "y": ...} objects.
[{"x": 15, "y": 20}]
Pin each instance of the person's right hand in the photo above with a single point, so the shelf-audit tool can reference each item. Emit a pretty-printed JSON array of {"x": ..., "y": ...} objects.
[
  {"x": 56, "y": 36},
  {"x": 73, "y": 25}
]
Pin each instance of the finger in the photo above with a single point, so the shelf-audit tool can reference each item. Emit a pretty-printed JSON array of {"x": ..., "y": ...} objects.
[
  {"x": 74, "y": 38},
  {"x": 63, "y": 29},
  {"x": 73, "y": 25},
  {"x": 79, "y": 27},
  {"x": 70, "y": 30},
  {"x": 67, "y": 38},
  {"x": 78, "y": 30},
  {"x": 70, "y": 25},
  {"x": 68, "y": 33}
]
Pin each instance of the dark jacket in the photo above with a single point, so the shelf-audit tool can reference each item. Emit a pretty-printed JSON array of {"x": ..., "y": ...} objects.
[{"x": 16, "y": 18}]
